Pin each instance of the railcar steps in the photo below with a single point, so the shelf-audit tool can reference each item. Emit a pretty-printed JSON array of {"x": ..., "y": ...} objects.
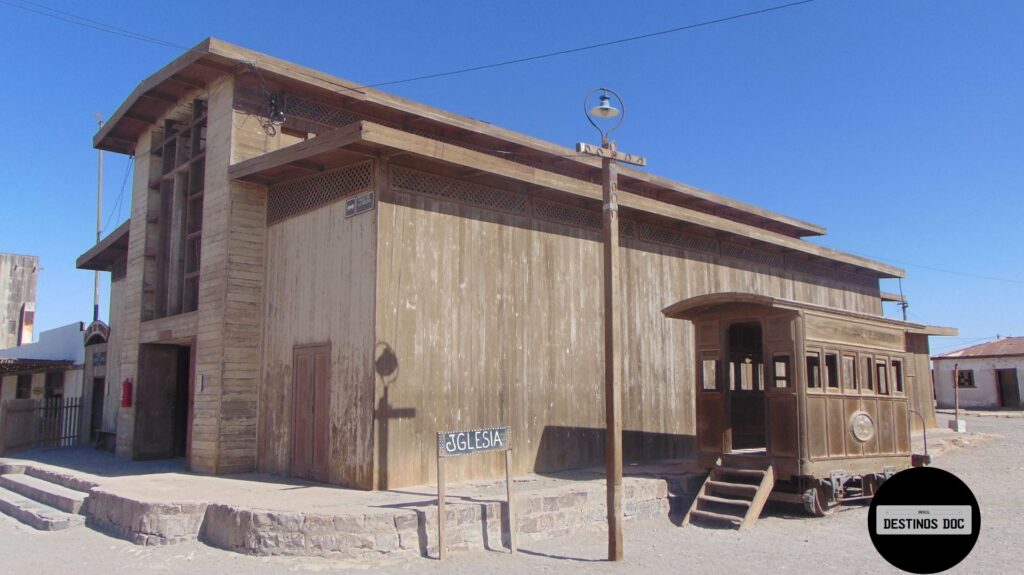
[{"x": 733, "y": 494}]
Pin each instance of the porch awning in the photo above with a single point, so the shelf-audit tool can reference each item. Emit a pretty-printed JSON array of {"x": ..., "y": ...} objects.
[{"x": 14, "y": 366}]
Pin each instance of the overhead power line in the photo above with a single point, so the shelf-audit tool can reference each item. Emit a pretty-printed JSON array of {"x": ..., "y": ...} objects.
[
  {"x": 43, "y": 10},
  {"x": 945, "y": 271}
]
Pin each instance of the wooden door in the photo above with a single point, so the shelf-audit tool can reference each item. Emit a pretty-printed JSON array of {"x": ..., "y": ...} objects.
[
  {"x": 782, "y": 363},
  {"x": 311, "y": 407},
  {"x": 712, "y": 410},
  {"x": 1009, "y": 391},
  {"x": 155, "y": 402}
]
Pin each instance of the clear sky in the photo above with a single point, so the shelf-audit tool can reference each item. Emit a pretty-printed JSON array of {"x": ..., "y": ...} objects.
[{"x": 896, "y": 125}]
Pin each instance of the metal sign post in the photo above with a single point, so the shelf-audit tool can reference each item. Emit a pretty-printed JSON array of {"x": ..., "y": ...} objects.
[{"x": 459, "y": 443}]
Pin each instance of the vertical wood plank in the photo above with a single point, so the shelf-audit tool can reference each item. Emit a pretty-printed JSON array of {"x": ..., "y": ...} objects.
[
  {"x": 513, "y": 526},
  {"x": 442, "y": 544}
]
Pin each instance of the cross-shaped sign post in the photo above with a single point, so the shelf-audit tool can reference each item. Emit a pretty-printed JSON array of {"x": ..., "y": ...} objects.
[{"x": 612, "y": 328}]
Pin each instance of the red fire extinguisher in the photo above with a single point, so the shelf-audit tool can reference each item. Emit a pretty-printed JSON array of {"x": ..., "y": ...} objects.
[{"x": 126, "y": 392}]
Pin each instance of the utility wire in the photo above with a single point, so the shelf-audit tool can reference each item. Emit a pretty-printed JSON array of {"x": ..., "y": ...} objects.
[
  {"x": 120, "y": 195},
  {"x": 102, "y": 27},
  {"x": 955, "y": 272}
]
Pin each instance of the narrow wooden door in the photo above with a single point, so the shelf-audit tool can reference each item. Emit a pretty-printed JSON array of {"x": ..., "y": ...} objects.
[
  {"x": 1009, "y": 392},
  {"x": 311, "y": 408}
]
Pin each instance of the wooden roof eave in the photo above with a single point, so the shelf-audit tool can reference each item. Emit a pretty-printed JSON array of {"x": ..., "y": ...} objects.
[
  {"x": 102, "y": 256},
  {"x": 113, "y": 136},
  {"x": 261, "y": 169}
]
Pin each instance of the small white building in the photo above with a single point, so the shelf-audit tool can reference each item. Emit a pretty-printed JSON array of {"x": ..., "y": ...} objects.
[
  {"x": 50, "y": 367},
  {"x": 989, "y": 374}
]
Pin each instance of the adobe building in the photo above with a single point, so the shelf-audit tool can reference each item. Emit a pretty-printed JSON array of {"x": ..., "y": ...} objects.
[
  {"x": 17, "y": 299},
  {"x": 317, "y": 277},
  {"x": 990, "y": 375}
]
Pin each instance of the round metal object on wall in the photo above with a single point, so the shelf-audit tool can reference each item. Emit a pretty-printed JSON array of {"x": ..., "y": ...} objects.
[{"x": 862, "y": 426}]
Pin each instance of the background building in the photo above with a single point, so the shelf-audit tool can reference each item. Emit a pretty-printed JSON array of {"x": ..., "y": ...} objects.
[
  {"x": 990, "y": 374},
  {"x": 17, "y": 298}
]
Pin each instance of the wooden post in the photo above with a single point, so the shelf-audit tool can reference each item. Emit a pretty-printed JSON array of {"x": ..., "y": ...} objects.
[
  {"x": 442, "y": 546},
  {"x": 612, "y": 354},
  {"x": 956, "y": 395},
  {"x": 512, "y": 528}
]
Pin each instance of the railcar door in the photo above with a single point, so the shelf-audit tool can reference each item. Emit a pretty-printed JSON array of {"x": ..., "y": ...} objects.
[
  {"x": 712, "y": 436},
  {"x": 781, "y": 332}
]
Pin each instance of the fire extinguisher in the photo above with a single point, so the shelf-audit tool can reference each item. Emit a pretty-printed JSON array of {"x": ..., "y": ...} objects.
[{"x": 126, "y": 392}]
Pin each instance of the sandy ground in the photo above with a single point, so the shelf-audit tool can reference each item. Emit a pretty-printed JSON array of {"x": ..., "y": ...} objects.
[{"x": 782, "y": 542}]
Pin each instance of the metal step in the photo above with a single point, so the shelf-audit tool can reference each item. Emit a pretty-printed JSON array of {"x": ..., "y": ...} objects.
[
  {"x": 724, "y": 500},
  {"x": 51, "y": 494},
  {"x": 35, "y": 514}
]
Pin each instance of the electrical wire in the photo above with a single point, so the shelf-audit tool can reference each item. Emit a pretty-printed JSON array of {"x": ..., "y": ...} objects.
[
  {"x": 43, "y": 10},
  {"x": 120, "y": 195},
  {"x": 955, "y": 272}
]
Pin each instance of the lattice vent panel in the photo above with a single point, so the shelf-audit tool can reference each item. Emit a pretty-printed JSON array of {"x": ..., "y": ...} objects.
[
  {"x": 450, "y": 189},
  {"x": 751, "y": 254},
  {"x": 565, "y": 214},
  {"x": 295, "y": 106},
  {"x": 296, "y": 197},
  {"x": 675, "y": 238}
]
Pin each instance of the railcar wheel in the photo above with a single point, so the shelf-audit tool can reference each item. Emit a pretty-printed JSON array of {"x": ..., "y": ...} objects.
[{"x": 816, "y": 502}]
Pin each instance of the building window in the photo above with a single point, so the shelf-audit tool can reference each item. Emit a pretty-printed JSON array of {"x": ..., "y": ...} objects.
[
  {"x": 897, "y": 376},
  {"x": 24, "y": 389},
  {"x": 850, "y": 372},
  {"x": 54, "y": 384},
  {"x": 832, "y": 370},
  {"x": 966, "y": 378},
  {"x": 780, "y": 371},
  {"x": 869, "y": 370},
  {"x": 882, "y": 375},
  {"x": 813, "y": 370},
  {"x": 709, "y": 371}
]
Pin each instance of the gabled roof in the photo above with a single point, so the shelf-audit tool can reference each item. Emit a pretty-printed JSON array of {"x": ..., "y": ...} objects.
[
  {"x": 213, "y": 58},
  {"x": 1005, "y": 347}
]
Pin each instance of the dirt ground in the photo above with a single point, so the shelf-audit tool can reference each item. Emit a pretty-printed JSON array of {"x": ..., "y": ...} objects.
[{"x": 783, "y": 541}]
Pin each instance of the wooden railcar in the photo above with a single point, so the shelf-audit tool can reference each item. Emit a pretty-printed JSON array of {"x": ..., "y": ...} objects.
[{"x": 824, "y": 397}]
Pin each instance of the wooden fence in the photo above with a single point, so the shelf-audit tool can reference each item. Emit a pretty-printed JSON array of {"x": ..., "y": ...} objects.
[{"x": 28, "y": 423}]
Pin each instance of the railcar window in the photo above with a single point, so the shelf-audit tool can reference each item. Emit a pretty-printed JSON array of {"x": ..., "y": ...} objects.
[
  {"x": 780, "y": 371},
  {"x": 813, "y": 370},
  {"x": 882, "y": 372},
  {"x": 869, "y": 369},
  {"x": 850, "y": 372},
  {"x": 897, "y": 376},
  {"x": 709, "y": 371},
  {"x": 832, "y": 370}
]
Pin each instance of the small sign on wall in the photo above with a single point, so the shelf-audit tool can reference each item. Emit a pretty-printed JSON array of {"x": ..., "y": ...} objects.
[{"x": 359, "y": 204}]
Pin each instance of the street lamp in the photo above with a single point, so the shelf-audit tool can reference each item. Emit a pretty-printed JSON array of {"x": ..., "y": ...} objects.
[{"x": 604, "y": 110}]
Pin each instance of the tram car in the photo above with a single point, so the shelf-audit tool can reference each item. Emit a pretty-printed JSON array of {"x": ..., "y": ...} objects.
[{"x": 814, "y": 405}]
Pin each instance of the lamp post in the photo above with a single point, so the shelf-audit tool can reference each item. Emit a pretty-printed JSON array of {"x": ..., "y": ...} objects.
[{"x": 603, "y": 111}]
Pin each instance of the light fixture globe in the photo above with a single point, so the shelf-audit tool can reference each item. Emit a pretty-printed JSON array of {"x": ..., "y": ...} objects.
[{"x": 604, "y": 109}]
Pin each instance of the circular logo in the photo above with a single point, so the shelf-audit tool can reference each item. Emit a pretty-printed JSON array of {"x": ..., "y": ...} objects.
[
  {"x": 862, "y": 427},
  {"x": 924, "y": 520}
]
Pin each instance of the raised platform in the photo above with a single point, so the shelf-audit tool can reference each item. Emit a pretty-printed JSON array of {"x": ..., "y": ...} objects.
[{"x": 157, "y": 503}]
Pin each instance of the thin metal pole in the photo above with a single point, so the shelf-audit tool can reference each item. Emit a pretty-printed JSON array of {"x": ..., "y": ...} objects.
[
  {"x": 956, "y": 394},
  {"x": 612, "y": 354},
  {"x": 99, "y": 228}
]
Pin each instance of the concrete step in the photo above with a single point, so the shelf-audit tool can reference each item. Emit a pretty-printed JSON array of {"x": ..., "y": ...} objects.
[
  {"x": 51, "y": 494},
  {"x": 61, "y": 477},
  {"x": 36, "y": 514}
]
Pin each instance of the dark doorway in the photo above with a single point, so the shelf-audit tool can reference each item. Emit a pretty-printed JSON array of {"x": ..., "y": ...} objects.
[
  {"x": 311, "y": 404},
  {"x": 1009, "y": 390},
  {"x": 163, "y": 402},
  {"x": 99, "y": 387},
  {"x": 745, "y": 383}
]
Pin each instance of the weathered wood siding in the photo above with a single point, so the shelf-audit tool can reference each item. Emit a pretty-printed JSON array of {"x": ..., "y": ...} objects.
[
  {"x": 319, "y": 288},
  {"x": 495, "y": 319}
]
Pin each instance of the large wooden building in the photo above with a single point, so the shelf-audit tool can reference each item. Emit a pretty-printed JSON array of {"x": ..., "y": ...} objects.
[{"x": 317, "y": 277}]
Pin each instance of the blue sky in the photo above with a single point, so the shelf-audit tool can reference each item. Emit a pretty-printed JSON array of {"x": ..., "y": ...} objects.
[{"x": 896, "y": 125}]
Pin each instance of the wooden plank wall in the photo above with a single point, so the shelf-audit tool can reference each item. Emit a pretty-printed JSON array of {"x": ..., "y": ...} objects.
[
  {"x": 496, "y": 320},
  {"x": 125, "y": 351},
  {"x": 320, "y": 270},
  {"x": 225, "y": 396}
]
